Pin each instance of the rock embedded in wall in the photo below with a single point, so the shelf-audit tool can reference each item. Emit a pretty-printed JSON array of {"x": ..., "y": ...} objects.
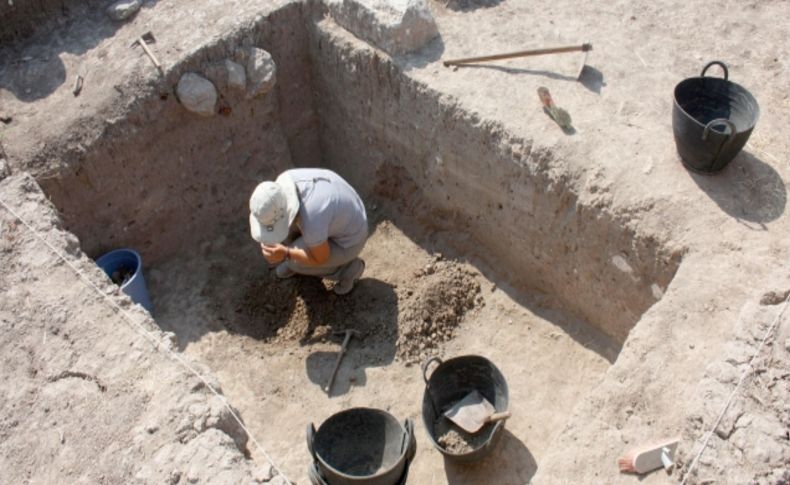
[
  {"x": 197, "y": 94},
  {"x": 395, "y": 26},
  {"x": 4, "y": 170},
  {"x": 237, "y": 78},
  {"x": 261, "y": 72},
  {"x": 123, "y": 9},
  {"x": 226, "y": 75}
]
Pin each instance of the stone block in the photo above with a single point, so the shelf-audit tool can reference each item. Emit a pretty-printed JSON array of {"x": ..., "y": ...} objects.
[
  {"x": 123, "y": 9},
  {"x": 261, "y": 72},
  {"x": 394, "y": 26}
]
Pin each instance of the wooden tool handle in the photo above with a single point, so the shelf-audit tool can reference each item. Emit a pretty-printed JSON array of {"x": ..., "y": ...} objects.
[
  {"x": 498, "y": 417},
  {"x": 334, "y": 370},
  {"x": 343, "y": 350},
  {"x": 510, "y": 55},
  {"x": 545, "y": 97},
  {"x": 150, "y": 54}
]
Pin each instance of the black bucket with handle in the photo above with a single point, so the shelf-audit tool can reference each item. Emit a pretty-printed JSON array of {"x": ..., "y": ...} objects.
[
  {"x": 361, "y": 446},
  {"x": 449, "y": 383},
  {"x": 712, "y": 119}
]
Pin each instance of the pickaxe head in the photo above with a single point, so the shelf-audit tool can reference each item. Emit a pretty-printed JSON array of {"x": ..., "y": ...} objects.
[
  {"x": 348, "y": 331},
  {"x": 147, "y": 37}
]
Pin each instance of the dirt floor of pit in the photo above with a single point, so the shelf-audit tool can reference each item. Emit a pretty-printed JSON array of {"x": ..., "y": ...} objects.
[{"x": 273, "y": 357}]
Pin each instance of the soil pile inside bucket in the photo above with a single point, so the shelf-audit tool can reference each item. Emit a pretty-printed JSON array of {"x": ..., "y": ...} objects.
[
  {"x": 121, "y": 275},
  {"x": 454, "y": 439},
  {"x": 441, "y": 294}
]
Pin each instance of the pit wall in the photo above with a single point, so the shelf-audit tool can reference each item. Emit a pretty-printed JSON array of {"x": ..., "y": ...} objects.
[
  {"x": 162, "y": 177},
  {"x": 506, "y": 202}
]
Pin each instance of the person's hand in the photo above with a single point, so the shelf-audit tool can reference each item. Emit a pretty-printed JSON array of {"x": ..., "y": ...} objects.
[{"x": 274, "y": 253}]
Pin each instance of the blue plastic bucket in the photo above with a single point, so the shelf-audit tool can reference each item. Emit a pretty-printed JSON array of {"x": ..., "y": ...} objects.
[{"x": 129, "y": 260}]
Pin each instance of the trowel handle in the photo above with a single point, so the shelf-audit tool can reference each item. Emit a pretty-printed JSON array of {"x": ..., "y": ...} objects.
[
  {"x": 498, "y": 417},
  {"x": 545, "y": 97}
]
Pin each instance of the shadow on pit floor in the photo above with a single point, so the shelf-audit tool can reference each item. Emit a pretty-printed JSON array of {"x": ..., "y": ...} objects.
[
  {"x": 538, "y": 303},
  {"x": 510, "y": 462},
  {"x": 231, "y": 288}
]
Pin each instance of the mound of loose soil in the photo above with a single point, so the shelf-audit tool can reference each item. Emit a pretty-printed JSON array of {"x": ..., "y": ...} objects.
[
  {"x": 413, "y": 319},
  {"x": 432, "y": 306}
]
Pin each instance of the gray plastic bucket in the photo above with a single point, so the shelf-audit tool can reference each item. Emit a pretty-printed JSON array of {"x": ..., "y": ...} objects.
[
  {"x": 361, "y": 446},
  {"x": 712, "y": 119},
  {"x": 450, "y": 382},
  {"x": 128, "y": 259}
]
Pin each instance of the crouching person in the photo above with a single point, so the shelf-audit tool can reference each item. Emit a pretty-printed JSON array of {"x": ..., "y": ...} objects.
[{"x": 310, "y": 221}]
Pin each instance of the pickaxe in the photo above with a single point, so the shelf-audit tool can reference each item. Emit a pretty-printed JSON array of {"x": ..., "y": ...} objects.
[
  {"x": 348, "y": 334},
  {"x": 144, "y": 39}
]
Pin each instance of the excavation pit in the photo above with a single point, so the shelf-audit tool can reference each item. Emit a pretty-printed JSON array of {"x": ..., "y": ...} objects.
[
  {"x": 580, "y": 234},
  {"x": 481, "y": 244},
  {"x": 271, "y": 342}
]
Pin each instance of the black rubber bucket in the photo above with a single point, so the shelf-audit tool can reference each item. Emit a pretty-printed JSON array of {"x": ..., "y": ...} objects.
[
  {"x": 450, "y": 382},
  {"x": 712, "y": 120},
  {"x": 361, "y": 446}
]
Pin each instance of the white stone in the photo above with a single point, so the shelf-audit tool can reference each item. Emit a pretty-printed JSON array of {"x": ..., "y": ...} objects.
[
  {"x": 261, "y": 72},
  {"x": 278, "y": 480},
  {"x": 4, "y": 170},
  {"x": 622, "y": 264},
  {"x": 263, "y": 473},
  {"x": 237, "y": 78},
  {"x": 658, "y": 293},
  {"x": 197, "y": 94},
  {"x": 123, "y": 9},
  {"x": 394, "y": 26}
]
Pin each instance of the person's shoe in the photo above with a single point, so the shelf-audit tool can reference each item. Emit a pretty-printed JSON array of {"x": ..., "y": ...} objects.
[
  {"x": 350, "y": 276},
  {"x": 283, "y": 271}
]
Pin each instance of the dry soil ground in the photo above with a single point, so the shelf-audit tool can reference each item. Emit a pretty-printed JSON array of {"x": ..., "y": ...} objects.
[
  {"x": 271, "y": 343},
  {"x": 88, "y": 399}
]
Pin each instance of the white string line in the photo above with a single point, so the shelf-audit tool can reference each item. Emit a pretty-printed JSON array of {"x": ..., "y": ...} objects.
[
  {"x": 746, "y": 372},
  {"x": 158, "y": 344}
]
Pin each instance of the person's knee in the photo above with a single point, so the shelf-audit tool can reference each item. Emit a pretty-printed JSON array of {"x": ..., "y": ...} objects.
[{"x": 295, "y": 267}]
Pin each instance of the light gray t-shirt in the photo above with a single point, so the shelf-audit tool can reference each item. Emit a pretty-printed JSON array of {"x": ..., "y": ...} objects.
[{"x": 330, "y": 209}]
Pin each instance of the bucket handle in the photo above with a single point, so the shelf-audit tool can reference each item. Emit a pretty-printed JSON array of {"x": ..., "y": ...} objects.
[
  {"x": 719, "y": 121},
  {"x": 407, "y": 444},
  {"x": 718, "y": 63},
  {"x": 425, "y": 367},
  {"x": 310, "y": 439}
]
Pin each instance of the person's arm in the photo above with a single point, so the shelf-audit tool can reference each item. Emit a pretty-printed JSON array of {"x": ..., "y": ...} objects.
[{"x": 313, "y": 256}]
